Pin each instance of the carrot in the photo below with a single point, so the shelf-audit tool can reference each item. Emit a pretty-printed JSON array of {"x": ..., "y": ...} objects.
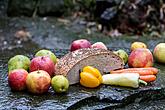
[
  {"x": 141, "y": 71},
  {"x": 155, "y": 70},
  {"x": 148, "y": 78}
]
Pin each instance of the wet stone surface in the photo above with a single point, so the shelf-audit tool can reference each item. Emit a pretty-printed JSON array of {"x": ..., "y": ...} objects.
[{"x": 150, "y": 97}]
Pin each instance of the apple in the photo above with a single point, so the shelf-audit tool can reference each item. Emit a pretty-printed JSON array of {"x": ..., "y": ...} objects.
[
  {"x": 18, "y": 62},
  {"x": 42, "y": 63},
  {"x": 140, "y": 58},
  {"x": 78, "y": 44},
  {"x": 122, "y": 54},
  {"x": 99, "y": 45},
  {"x": 60, "y": 83},
  {"x": 38, "y": 82},
  {"x": 17, "y": 79},
  {"x": 159, "y": 53},
  {"x": 47, "y": 53},
  {"x": 136, "y": 45}
]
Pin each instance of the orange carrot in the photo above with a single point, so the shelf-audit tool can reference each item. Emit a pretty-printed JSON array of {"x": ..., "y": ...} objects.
[
  {"x": 155, "y": 70},
  {"x": 141, "y": 71},
  {"x": 148, "y": 78}
]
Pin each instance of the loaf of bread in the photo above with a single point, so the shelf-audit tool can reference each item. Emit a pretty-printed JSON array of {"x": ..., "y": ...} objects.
[{"x": 71, "y": 64}]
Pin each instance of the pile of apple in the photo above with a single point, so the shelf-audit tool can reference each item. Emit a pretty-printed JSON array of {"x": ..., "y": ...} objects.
[
  {"x": 83, "y": 43},
  {"x": 140, "y": 56},
  {"x": 41, "y": 73}
]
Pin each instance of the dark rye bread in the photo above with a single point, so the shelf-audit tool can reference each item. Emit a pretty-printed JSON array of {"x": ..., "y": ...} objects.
[{"x": 71, "y": 64}]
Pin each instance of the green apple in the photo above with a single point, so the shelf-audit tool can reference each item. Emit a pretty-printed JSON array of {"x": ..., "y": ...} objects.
[
  {"x": 44, "y": 52},
  {"x": 122, "y": 54},
  {"x": 18, "y": 62},
  {"x": 159, "y": 53},
  {"x": 60, "y": 83}
]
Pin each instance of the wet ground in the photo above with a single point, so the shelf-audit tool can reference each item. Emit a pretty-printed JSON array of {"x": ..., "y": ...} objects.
[{"x": 53, "y": 34}]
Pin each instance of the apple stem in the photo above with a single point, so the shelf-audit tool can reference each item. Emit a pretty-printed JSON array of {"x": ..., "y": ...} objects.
[
  {"x": 42, "y": 57},
  {"x": 38, "y": 71}
]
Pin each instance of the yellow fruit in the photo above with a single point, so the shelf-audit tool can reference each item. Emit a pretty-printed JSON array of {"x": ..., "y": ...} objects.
[
  {"x": 136, "y": 45},
  {"x": 159, "y": 53},
  {"x": 94, "y": 72},
  {"x": 89, "y": 80}
]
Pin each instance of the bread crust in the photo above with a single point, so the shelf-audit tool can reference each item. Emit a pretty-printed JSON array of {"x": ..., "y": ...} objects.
[{"x": 72, "y": 59}]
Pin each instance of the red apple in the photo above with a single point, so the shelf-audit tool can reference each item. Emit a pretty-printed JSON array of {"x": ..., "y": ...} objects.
[
  {"x": 140, "y": 58},
  {"x": 42, "y": 63},
  {"x": 38, "y": 82},
  {"x": 99, "y": 45},
  {"x": 78, "y": 44},
  {"x": 17, "y": 79}
]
